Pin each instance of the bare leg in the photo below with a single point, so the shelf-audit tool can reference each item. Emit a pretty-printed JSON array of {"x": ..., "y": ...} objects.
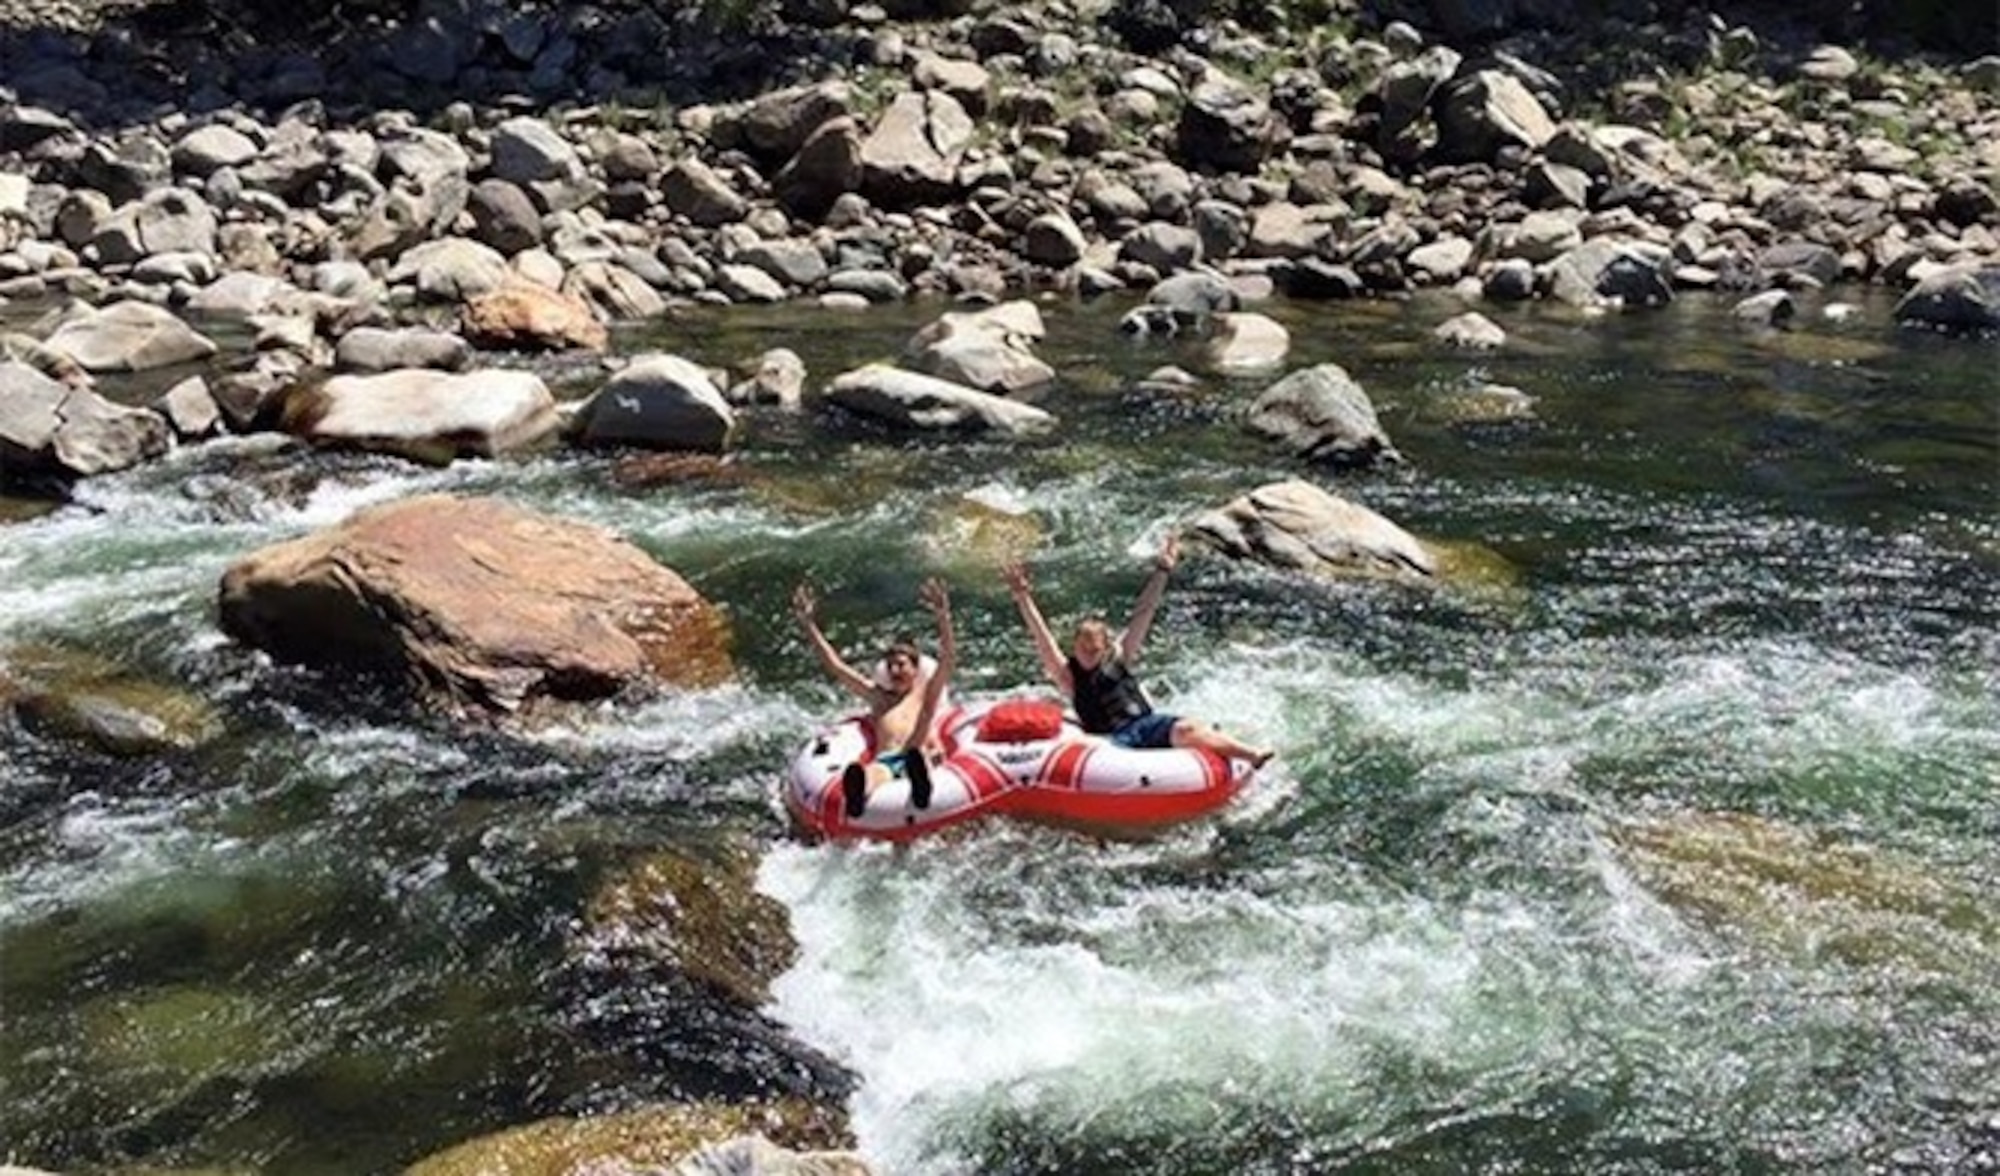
[{"x": 1192, "y": 733}]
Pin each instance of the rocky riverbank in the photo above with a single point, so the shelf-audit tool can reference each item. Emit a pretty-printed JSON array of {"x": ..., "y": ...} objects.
[{"x": 481, "y": 178}]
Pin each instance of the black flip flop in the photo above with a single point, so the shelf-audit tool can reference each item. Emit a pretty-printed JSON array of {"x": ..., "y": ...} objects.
[{"x": 854, "y": 789}]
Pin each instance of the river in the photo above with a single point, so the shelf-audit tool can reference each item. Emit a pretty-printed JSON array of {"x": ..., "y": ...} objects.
[{"x": 1662, "y": 838}]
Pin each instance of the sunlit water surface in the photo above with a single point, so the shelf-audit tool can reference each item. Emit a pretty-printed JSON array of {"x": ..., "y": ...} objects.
[{"x": 1664, "y": 840}]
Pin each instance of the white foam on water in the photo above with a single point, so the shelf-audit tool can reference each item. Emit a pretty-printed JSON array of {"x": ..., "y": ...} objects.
[
  {"x": 96, "y": 847},
  {"x": 1286, "y": 1002}
]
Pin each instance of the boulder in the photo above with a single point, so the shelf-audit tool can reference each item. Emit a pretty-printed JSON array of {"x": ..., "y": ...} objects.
[
  {"x": 1321, "y": 414},
  {"x": 1470, "y": 330},
  {"x": 826, "y": 167},
  {"x": 916, "y": 401},
  {"x": 779, "y": 378},
  {"x": 521, "y": 314},
  {"x": 1608, "y": 272},
  {"x": 1296, "y": 526},
  {"x": 659, "y": 402},
  {"x": 1958, "y": 299},
  {"x": 47, "y": 426},
  {"x": 1224, "y": 126},
  {"x": 912, "y": 155},
  {"x": 1243, "y": 343},
  {"x": 478, "y": 605},
  {"x": 986, "y": 349},
  {"x": 128, "y": 337},
  {"x": 381, "y": 349},
  {"x": 424, "y": 414},
  {"x": 1482, "y": 112}
]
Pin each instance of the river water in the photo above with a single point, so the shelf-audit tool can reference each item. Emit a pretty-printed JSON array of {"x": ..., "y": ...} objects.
[{"x": 1662, "y": 839}]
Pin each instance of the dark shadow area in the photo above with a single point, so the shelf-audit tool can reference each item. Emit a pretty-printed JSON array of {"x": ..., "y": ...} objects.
[{"x": 105, "y": 64}]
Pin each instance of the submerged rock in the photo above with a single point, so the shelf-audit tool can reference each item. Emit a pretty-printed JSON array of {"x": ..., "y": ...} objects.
[
  {"x": 634, "y": 1141},
  {"x": 1798, "y": 891},
  {"x": 477, "y": 604},
  {"x": 703, "y": 920},
  {"x": 76, "y": 695}
]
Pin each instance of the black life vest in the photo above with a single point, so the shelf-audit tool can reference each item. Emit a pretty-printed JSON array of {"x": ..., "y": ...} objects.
[{"x": 1107, "y": 697}]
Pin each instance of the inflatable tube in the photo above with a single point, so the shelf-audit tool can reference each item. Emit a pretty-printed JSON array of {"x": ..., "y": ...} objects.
[{"x": 1066, "y": 778}]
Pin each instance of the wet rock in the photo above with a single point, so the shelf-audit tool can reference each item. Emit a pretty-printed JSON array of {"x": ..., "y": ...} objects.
[
  {"x": 1470, "y": 330},
  {"x": 78, "y": 696},
  {"x": 754, "y": 1155},
  {"x": 1772, "y": 308},
  {"x": 1960, "y": 299},
  {"x": 478, "y": 605},
  {"x": 1296, "y": 526},
  {"x": 1795, "y": 890},
  {"x": 917, "y": 401},
  {"x": 1321, "y": 414},
  {"x": 660, "y": 402},
  {"x": 648, "y": 1139},
  {"x": 779, "y": 377},
  {"x": 699, "y": 919}
]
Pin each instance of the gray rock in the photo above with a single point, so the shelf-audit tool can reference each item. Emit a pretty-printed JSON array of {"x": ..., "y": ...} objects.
[
  {"x": 659, "y": 402},
  {"x": 912, "y": 155},
  {"x": 453, "y": 269},
  {"x": 1958, "y": 299},
  {"x": 206, "y": 150},
  {"x": 423, "y": 414},
  {"x": 779, "y": 377},
  {"x": 747, "y": 283},
  {"x": 1470, "y": 330},
  {"x": 378, "y": 349},
  {"x": 188, "y": 407},
  {"x": 503, "y": 216},
  {"x": 1604, "y": 271},
  {"x": 1772, "y": 308},
  {"x": 614, "y": 292},
  {"x": 875, "y": 285},
  {"x": 916, "y": 401},
  {"x": 1296, "y": 526},
  {"x": 1225, "y": 126},
  {"x": 798, "y": 264},
  {"x": 1053, "y": 240},
  {"x": 128, "y": 337},
  {"x": 526, "y": 150},
  {"x": 694, "y": 190},
  {"x": 827, "y": 167},
  {"x": 1165, "y": 247},
  {"x": 1321, "y": 414}
]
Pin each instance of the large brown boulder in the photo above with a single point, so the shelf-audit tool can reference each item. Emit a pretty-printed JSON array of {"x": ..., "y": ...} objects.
[{"x": 478, "y": 604}]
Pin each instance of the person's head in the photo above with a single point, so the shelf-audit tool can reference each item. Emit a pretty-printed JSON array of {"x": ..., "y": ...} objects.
[
  {"x": 1091, "y": 642},
  {"x": 901, "y": 659}
]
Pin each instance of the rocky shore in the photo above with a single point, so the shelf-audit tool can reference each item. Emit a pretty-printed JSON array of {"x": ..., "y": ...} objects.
[
  {"x": 414, "y": 195},
  {"x": 351, "y": 234}
]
